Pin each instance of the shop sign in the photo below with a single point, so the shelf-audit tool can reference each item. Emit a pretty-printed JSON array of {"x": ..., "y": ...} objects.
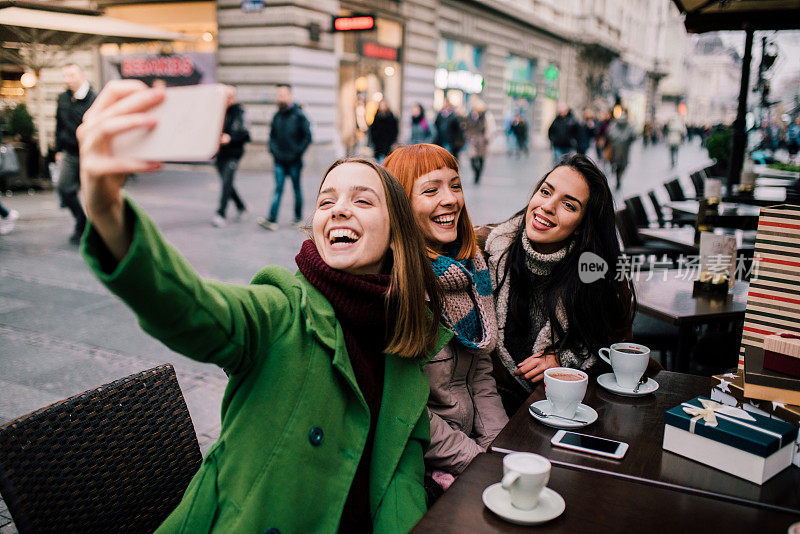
[
  {"x": 353, "y": 23},
  {"x": 520, "y": 89},
  {"x": 550, "y": 75},
  {"x": 253, "y": 6},
  {"x": 519, "y": 75},
  {"x": 379, "y": 51},
  {"x": 174, "y": 69},
  {"x": 464, "y": 80}
]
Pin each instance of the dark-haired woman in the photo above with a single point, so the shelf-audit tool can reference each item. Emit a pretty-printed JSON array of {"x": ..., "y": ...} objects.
[
  {"x": 546, "y": 315},
  {"x": 323, "y": 420}
]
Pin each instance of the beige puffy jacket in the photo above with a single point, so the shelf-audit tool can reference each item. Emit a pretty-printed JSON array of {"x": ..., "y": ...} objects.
[{"x": 465, "y": 410}]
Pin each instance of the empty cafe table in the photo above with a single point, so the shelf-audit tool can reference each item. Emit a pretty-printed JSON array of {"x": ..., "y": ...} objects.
[
  {"x": 667, "y": 295},
  {"x": 684, "y": 237},
  {"x": 733, "y": 215}
]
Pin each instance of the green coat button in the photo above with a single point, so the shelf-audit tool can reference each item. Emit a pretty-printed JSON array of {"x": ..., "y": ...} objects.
[{"x": 315, "y": 436}]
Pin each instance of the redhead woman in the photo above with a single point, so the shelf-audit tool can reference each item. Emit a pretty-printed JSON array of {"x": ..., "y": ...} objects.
[
  {"x": 547, "y": 316},
  {"x": 323, "y": 420},
  {"x": 465, "y": 410}
]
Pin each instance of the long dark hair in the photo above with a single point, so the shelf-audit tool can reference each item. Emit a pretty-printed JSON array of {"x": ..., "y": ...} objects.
[{"x": 598, "y": 313}]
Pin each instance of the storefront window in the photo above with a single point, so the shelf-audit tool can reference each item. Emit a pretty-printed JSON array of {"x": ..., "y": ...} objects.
[
  {"x": 519, "y": 90},
  {"x": 458, "y": 73},
  {"x": 370, "y": 70}
]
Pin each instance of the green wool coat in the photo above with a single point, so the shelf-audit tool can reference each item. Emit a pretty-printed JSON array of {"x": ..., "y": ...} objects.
[{"x": 294, "y": 423}]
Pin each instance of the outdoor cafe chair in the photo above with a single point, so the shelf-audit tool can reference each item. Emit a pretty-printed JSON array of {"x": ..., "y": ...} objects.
[
  {"x": 635, "y": 206},
  {"x": 116, "y": 458},
  {"x": 675, "y": 190},
  {"x": 698, "y": 181}
]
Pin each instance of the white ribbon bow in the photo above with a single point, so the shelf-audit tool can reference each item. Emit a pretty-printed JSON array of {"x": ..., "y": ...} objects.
[{"x": 712, "y": 409}]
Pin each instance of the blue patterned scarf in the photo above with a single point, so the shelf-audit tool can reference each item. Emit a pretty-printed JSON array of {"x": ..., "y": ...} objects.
[{"x": 468, "y": 302}]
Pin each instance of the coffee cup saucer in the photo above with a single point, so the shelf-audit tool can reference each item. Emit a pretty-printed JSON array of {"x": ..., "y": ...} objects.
[
  {"x": 551, "y": 505},
  {"x": 583, "y": 413},
  {"x": 609, "y": 382}
]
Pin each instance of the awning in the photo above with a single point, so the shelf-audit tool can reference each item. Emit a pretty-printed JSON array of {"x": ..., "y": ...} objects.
[
  {"x": 715, "y": 15},
  {"x": 28, "y": 22}
]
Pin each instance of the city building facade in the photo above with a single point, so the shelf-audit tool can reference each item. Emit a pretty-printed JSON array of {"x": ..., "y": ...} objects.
[{"x": 520, "y": 56}]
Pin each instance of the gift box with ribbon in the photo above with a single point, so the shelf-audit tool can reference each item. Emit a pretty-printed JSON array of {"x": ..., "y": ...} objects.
[{"x": 746, "y": 445}]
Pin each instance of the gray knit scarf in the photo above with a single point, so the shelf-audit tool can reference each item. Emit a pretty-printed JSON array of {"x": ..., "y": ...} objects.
[{"x": 541, "y": 335}]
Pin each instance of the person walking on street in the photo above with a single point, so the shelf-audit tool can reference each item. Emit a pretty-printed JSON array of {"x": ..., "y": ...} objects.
[
  {"x": 676, "y": 132},
  {"x": 449, "y": 134},
  {"x": 601, "y": 138},
  {"x": 383, "y": 131},
  {"x": 231, "y": 150},
  {"x": 8, "y": 218},
  {"x": 620, "y": 138},
  {"x": 519, "y": 129},
  {"x": 563, "y": 133},
  {"x": 420, "y": 129},
  {"x": 586, "y": 132},
  {"x": 793, "y": 138},
  {"x": 71, "y": 106},
  {"x": 477, "y": 133},
  {"x": 289, "y": 137}
]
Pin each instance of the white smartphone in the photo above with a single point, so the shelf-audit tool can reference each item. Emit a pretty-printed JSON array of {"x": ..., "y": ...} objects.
[
  {"x": 589, "y": 444},
  {"x": 189, "y": 127}
]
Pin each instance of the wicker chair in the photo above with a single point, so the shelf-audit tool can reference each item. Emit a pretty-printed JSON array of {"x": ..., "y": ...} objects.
[{"x": 116, "y": 458}]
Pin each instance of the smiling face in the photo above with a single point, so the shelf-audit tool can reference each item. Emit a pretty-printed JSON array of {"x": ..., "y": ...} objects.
[
  {"x": 437, "y": 201},
  {"x": 351, "y": 222},
  {"x": 556, "y": 209}
]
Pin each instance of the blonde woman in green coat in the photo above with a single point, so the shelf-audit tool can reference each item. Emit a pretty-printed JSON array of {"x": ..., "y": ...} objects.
[{"x": 323, "y": 420}]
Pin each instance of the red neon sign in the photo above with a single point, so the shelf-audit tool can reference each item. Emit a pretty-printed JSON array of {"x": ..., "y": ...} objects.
[
  {"x": 346, "y": 24},
  {"x": 369, "y": 49}
]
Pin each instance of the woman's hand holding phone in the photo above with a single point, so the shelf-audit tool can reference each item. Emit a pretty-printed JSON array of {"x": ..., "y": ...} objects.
[{"x": 123, "y": 105}]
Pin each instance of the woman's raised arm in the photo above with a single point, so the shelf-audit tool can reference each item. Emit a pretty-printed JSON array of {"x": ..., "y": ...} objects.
[{"x": 121, "y": 106}]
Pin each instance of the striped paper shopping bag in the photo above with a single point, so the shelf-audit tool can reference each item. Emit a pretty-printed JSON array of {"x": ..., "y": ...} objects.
[{"x": 773, "y": 303}]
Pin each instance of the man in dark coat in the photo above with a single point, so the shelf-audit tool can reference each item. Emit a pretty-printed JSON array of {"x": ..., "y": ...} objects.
[
  {"x": 231, "y": 150},
  {"x": 563, "y": 133},
  {"x": 289, "y": 137},
  {"x": 449, "y": 133},
  {"x": 72, "y": 104},
  {"x": 383, "y": 131}
]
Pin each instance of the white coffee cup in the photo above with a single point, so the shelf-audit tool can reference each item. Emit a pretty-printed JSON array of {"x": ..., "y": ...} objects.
[
  {"x": 565, "y": 389},
  {"x": 524, "y": 476},
  {"x": 628, "y": 361}
]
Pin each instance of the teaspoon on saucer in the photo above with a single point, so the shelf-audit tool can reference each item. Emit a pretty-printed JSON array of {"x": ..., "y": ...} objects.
[{"x": 540, "y": 413}]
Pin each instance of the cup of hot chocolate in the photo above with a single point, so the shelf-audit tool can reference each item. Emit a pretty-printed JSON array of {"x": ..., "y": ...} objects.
[
  {"x": 565, "y": 389},
  {"x": 628, "y": 361}
]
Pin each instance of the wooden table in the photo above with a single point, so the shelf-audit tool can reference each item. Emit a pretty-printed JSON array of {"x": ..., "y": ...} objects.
[
  {"x": 597, "y": 503},
  {"x": 640, "y": 423},
  {"x": 684, "y": 237},
  {"x": 667, "y": 296}
]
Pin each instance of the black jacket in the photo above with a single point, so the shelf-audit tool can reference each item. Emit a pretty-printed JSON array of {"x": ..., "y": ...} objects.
[
  {"x": 69, "y": 115},
  {"x": 563, "y": 133},
  {"x": 289, "y": 135},
  {"x": 383, "y": 132},
  {"x": 236, "y": 127},
  {"x": 449, "y": 130}
]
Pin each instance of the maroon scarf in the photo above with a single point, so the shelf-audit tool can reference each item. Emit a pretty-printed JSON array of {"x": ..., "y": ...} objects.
[{"x": 359, "y": 304}]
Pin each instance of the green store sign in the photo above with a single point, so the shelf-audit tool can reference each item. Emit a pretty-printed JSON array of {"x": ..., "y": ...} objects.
[
  {"x": 520, "y": 89},
  {"x": 550, "y": 75}
]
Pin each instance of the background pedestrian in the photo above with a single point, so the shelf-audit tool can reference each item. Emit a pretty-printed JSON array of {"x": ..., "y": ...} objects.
[
  {"x": 231, "y": 150},
  {"x": 477, "y": 133},
  {"x": 289, "y": 137},
  {"x": 383, "y": 131},
  {"x": 71, "y": 106}
]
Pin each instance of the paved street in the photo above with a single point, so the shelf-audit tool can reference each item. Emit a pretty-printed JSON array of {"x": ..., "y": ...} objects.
[{"x": 61, "y": 332}]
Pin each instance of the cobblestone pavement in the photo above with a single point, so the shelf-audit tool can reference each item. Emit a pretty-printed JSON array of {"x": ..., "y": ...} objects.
[{"x": 62, "y": 333}]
